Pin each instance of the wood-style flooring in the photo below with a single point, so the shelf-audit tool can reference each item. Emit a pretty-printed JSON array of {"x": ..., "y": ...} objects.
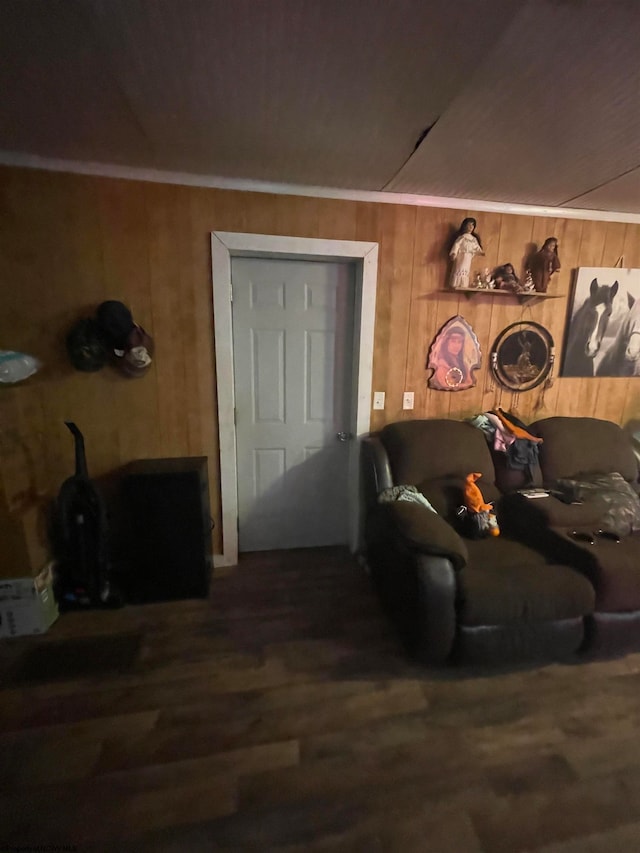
[{"x": 282, "y": 715}]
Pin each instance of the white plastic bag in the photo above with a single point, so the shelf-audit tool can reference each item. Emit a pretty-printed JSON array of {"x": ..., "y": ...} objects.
[{"x": 16, "y": 366}]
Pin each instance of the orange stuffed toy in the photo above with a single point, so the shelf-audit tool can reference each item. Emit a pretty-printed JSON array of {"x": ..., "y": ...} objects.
[{"x": 484, "y": 517}]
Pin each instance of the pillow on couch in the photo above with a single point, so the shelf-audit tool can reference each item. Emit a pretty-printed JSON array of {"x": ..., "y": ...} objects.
[{"x": 622, "y": 513}]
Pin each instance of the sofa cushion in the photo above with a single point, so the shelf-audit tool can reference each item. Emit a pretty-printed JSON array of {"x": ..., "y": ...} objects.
[
  {"x": 573, "y": 446},
  {"x": 517, "y": 511},
  {"x": 613, "y": 569},
  {"x": 497, "y": 594},
  {"x": 424, "y": 450},
  {"x": 501, "y": 552}
]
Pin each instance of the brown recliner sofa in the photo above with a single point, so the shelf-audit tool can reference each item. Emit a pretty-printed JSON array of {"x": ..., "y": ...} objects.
[
  {"x": 575, "y": 449},
  {"x": 452, "y": 598}
]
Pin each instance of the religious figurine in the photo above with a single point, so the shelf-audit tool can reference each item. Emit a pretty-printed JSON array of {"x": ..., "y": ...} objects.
[
  {"x": 466, "y": 244},
  {"x": 544, "y": 264},
  {"x": 528, "y": 286}
]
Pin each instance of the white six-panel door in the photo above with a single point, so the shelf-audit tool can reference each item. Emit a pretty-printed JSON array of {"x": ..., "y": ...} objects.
[{"x": 292, "y": 349}]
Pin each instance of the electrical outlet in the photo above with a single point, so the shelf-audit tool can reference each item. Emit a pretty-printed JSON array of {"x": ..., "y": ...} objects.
[
  {"x": 378, "y": 399},
  {"x": 407, "y": 400}
]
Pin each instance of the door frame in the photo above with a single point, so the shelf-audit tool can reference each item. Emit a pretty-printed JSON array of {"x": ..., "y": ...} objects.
[{"x": 226, "y": 245}]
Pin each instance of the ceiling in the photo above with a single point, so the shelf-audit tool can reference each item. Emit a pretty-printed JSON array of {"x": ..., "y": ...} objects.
[{"x": 527, "y": 101}]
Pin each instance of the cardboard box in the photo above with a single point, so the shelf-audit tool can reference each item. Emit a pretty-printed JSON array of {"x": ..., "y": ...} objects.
[
  {"x": 25, "y": 549},
  {"x": 27, "y": 605}
]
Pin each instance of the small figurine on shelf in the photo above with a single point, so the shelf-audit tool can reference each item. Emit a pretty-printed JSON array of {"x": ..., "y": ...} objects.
[
  {"x": 488, "y": 280},
  {"x": 506, "y": 278},
  {"x": 528, "y": 285},
  {"x": 544, "y": 263},
  {"x": 466, "y": 244}
]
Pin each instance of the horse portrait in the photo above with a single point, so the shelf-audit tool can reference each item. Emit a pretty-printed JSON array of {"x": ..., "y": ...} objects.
[
  {"x": 622, "y": 358},
  {"x": 587, "y": 329}
]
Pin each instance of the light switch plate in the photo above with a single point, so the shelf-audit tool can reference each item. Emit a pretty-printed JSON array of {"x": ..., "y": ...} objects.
[
  {"x": 407, "y": 400},
  {"x": 378, "y": 399}
]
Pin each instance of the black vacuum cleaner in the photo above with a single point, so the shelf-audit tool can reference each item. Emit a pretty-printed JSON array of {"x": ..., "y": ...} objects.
[{"x": 80, "y": 535}]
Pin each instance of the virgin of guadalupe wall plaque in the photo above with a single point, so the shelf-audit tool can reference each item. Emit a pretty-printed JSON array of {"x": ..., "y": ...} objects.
[{"x": 454, "y": 355}]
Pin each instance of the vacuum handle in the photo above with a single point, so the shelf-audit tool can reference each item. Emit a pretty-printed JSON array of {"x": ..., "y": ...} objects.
[{"x": 81, "y": 459}]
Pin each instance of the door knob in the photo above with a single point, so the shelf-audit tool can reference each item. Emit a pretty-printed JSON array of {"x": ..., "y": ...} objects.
[{"x": 343, "y": 436}]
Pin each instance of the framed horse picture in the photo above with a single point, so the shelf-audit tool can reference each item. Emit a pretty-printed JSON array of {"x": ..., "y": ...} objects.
[{"x": 603, "y": 326}]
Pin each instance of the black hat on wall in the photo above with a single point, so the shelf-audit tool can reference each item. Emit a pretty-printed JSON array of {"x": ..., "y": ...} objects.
[
  {"x": 115, "y": 322},
  {"x": 85, "y": 346},
  {"x": 112, "y": 336},
  {"x": 134, "y": 360}
]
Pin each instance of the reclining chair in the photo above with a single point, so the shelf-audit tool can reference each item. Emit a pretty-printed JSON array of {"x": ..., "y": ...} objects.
[
  {"x": 452, "y": 598},
  {"x": 600, "y": 540}
]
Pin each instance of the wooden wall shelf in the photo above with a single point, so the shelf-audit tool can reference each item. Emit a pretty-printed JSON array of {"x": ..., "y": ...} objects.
[{"x": 523, "y": 298}]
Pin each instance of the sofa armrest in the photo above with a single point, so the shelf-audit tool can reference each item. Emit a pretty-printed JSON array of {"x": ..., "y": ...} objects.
[
  {"x": 376, "y": 470},
  {"x": 436, "y": 631},
  {"x": 420, "y": 529},
  {"x": 418, "y": 594}
]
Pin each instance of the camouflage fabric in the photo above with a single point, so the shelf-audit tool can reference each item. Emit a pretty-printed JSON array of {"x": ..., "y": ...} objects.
[
  {"x": 622, "y": 515},
  {"x": 404, "y": 493}
]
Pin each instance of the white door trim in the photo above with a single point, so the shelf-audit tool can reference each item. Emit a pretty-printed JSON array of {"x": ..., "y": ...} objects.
[{"x": 224, "y": 246}]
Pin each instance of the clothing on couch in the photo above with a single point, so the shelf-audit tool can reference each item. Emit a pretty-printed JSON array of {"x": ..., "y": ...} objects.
[{"x": 508, "y": 435}]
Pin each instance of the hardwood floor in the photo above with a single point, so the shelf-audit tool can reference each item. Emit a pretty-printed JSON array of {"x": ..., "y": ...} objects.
[{"x": 281, "y": 715}]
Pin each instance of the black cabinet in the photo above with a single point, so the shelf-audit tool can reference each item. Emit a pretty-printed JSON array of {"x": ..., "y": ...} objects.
[{"x": 168, "y": 524}]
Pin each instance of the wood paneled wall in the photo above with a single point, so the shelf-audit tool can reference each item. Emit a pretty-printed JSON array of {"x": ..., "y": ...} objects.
[{"x": 68, "y": 242}]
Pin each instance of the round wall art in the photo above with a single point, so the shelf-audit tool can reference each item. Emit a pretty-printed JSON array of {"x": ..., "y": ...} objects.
[{"x": 522, "y": 356}]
